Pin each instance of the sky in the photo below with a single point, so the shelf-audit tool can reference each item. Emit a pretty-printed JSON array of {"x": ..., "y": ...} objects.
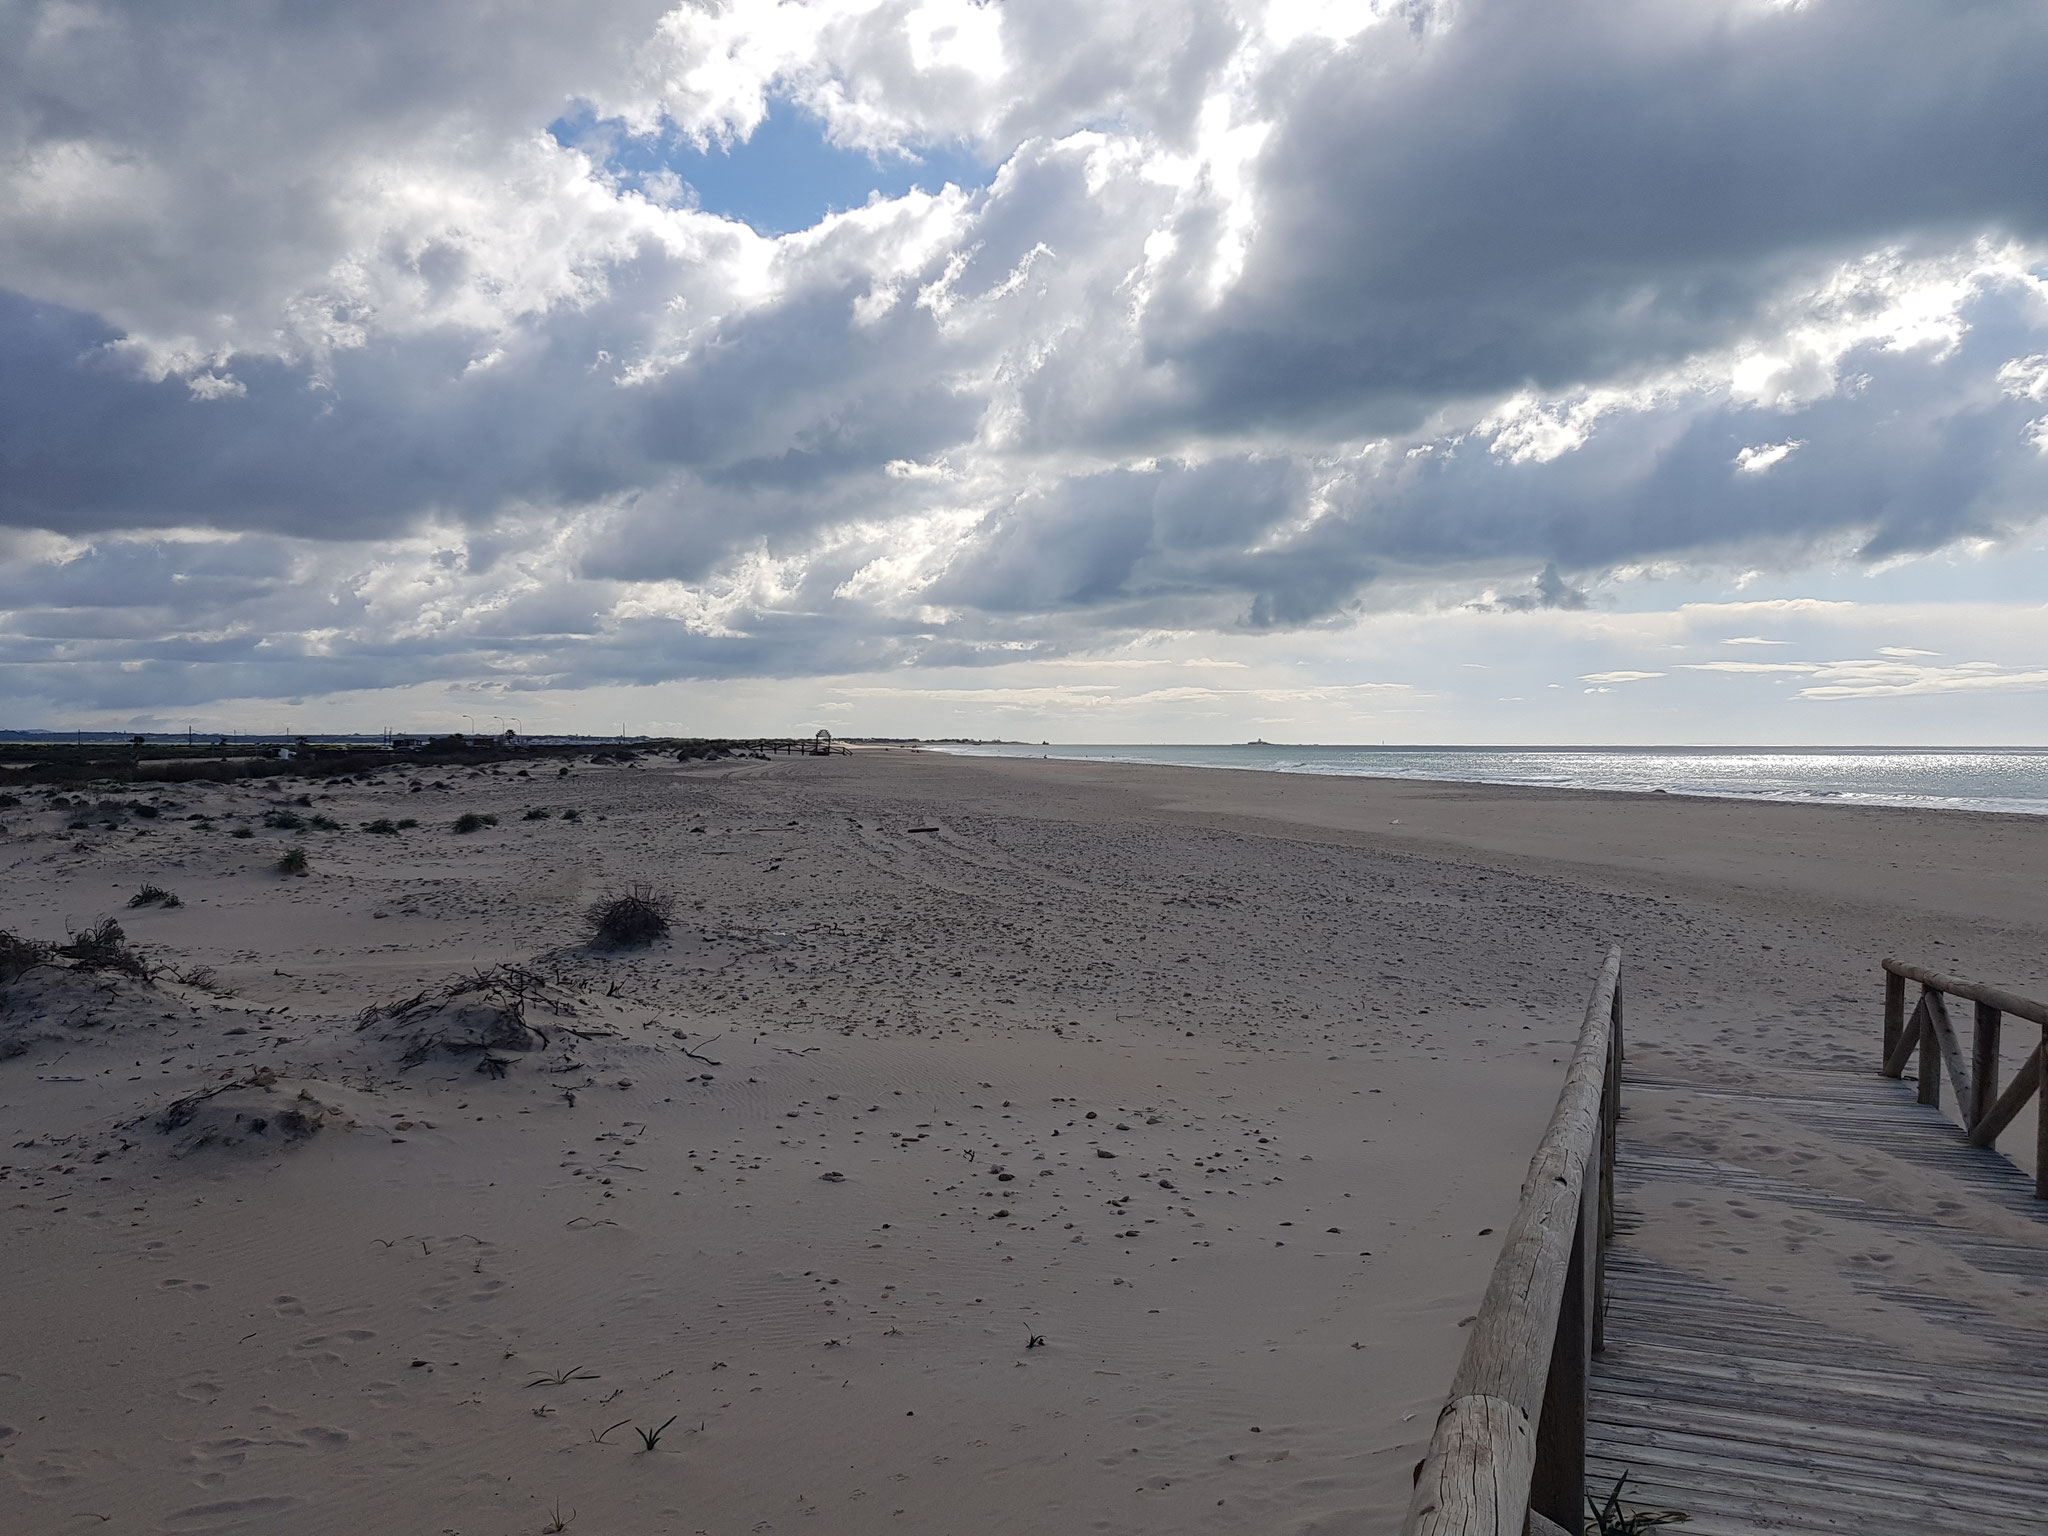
[{"x": 1461, "y": 371}]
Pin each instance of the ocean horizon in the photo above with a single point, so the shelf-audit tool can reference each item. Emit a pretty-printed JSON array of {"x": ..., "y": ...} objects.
[{"x": 2008, "y": 780}]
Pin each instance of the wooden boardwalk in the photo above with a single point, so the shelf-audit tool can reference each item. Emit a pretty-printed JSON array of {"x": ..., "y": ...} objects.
[{"x": 1751, "y": 1418}]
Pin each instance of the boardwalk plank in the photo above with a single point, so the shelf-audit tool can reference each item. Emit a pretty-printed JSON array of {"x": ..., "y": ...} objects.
[{"x": 1753, "y": 1418}]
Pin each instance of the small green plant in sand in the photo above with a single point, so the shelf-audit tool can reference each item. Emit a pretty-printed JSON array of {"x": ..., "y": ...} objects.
[
  {"x": 154, "y": 896},
  {"x": 536, "y": 815},
  {"x": 383, "y": 826},
  {"x": 238, "y": 832},
  {"x": 563, "y": 1378},
  {"x": 323, "y": 823},
  {"x": 1610, "y": 1519},
  {"x": 557, "y": 1521},
  {"x": 293, "y": 861},
  {"x": 572, "y": 814},
  {"x": 474, "y": 821},
  {"x": 650, "y": 1438},
  {"x": 637, "y": 915},
  {"x": 284, "y": 821}
]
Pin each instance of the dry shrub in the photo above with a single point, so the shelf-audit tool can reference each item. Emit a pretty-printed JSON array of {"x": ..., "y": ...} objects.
[
  {"x": 255, "y": 1113},
  {"x": 18, "y": 955},
  {"x": 479, "y": 1014},
  {"x": 637, "y": 915},
  {"x": 104, "y": 947}
]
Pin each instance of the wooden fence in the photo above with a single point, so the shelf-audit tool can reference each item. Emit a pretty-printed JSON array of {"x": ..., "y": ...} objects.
[
  {"x": 1509, "y": 1451},
  {"x": 1986, "y": 1111}
]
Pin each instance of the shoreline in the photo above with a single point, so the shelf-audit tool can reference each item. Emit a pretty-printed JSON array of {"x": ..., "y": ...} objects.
[{"x": 1853, "y": 799}]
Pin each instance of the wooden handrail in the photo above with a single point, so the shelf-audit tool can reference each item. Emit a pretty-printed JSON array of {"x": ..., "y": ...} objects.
[
  {"x": 1511, "y": 1440},
  {"x": 1976, "y": 992},
  {"x": 1985, "y": 1110}
]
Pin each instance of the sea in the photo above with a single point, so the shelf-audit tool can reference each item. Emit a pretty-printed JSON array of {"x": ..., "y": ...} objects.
[{"x": 2013, "y": 780}]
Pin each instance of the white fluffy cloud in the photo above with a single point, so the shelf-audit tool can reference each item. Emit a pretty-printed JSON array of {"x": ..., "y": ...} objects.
[{"x": 330, "y": 367}]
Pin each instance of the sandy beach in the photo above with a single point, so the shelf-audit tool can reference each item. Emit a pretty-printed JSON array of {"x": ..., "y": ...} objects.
[{"x": 993, "y": 1145}]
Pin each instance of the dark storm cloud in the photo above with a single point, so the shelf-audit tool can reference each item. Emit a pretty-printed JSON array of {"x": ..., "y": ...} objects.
[
  {"x": 1143, "y": 547},
  {"x": 1536, "y": 196}
]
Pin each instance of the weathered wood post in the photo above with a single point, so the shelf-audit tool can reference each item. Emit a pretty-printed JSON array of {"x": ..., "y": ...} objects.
[
  {"x": 1983, "y": 1065},
  {"x": 1986, "y": 1110},
  {"x": 2041, "y": 1117},
  {"x": 1894, "y": 1011},
  {"x": 1930, "y": 1053}
]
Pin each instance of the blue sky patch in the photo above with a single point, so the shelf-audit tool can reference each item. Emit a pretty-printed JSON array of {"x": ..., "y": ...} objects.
[{"x": 786, "y": 177}]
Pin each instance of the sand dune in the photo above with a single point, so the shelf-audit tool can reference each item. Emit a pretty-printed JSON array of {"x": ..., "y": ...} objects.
[{"x": 991, "y": 1146}]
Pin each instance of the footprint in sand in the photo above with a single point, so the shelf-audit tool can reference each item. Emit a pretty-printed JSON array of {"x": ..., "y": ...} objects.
[
  {"x": 345, "y": 1336},
  {"x": 412, "y": 1450},
  {"x": 287, "y": 1306},
  {"x": 200, "y": 1391},
  {"x": 230, "y": 1514},
  {"x": 48, "y": 1475},
  {"x": 215, "y": 1459}
]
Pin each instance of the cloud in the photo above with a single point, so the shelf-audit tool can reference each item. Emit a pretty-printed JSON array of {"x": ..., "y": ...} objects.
[
  {"x": 1871, "y": 679},
  {"x": 1619, "y": 677},
  {"x": 1754, "y": 461},
  {"x": 1892, "y": 680},
  {"x": 333, "y": 361}
]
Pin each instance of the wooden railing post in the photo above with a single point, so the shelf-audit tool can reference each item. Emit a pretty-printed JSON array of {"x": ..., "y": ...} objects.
[
  {"x": 1894, "y": 1011},
  {"x": 1986, "y": 1111},
  {"x": 1983, "y": 1065},
  {"x": 1908, "y": 1042},
  {"x": 2041, "y": 1117},
  {"x": 1987, "y": 1130},
  {"x": 1930, "y": 1052}
]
